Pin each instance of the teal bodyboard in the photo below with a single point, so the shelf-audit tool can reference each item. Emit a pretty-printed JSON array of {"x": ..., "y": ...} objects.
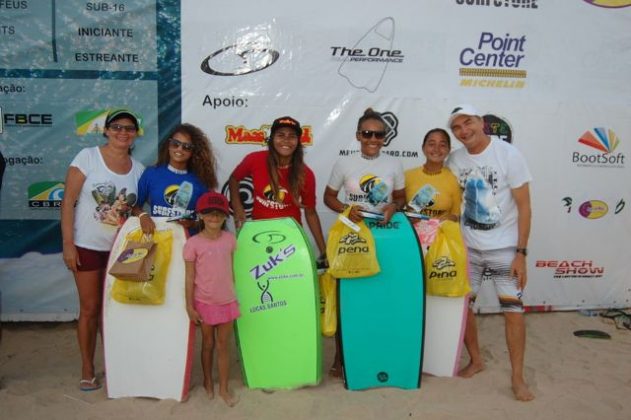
[
  {"x": 278, "y": 333},
  {"x": 382, "y": 316}
]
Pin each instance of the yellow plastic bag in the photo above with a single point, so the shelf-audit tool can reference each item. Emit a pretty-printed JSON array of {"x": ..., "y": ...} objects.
[
  {"x": 149, "y": 292},
  {"x": 446, "y": 263},
  {"x": 328, "y": 304},
  {"x": 351, "y": 250}
]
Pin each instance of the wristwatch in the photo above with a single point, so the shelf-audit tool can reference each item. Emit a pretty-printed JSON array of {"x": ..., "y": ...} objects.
[{"x": 522, "y": 251}]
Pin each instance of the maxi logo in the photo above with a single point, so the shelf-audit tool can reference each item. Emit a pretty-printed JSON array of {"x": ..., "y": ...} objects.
[{"x": 240, "y": 58}]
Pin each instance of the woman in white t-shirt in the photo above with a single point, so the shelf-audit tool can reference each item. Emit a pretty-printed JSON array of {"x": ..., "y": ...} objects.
[
  {"x": 102, "y": 182},
  {"x": 371, "y": 180}
]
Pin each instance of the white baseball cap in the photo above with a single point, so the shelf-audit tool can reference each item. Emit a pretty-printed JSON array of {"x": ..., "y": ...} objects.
[{"x": 463, "y": 109}]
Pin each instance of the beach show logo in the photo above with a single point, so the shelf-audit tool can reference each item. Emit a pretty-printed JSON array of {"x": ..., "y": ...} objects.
[
  {"x": 45, "y": 195},
  {"x": 239, "y": 134},
  {"x": 364, "y": 64},
  {"x": 251, "y": 53},
  {"x": 602, "y": 143},
  {"x": 572, "y": 269},
  {"x": 494, "y": 61},
  {"x": 610, "y": 4}
]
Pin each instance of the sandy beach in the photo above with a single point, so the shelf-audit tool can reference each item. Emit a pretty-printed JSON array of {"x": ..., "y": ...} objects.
[{"x": 572, "y": 378}]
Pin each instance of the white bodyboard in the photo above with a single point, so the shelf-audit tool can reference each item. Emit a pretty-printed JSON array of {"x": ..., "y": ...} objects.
[{"x": 148, "y": 348}]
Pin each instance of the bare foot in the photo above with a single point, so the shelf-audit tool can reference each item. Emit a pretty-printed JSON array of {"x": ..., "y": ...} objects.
[
  {"x": 210, "y": 392},
  {"x": 521, "y": 391},
  {"x": 471, "y": 369},
  {"x": 229, "y": 399}
]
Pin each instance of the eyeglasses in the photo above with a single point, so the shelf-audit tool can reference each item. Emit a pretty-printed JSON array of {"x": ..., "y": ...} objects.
[
  {"x": 367, "y": 134},
  {"x": 117, "y": 128},
  {"x": 174, "y": 143}
]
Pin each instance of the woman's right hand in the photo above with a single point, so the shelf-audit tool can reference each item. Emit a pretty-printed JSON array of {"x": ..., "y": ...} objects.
[
  {"x": 355, "y": 215},
  {"x": 147, "y": 224},
  {"x": 71, "y": 257}
]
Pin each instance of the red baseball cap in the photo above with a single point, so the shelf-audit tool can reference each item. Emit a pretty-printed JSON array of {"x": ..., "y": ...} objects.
[{"x": 212, "y": 200}]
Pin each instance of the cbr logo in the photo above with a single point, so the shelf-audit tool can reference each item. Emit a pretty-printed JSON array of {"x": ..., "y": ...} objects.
[
  {"x": 260, "y": 270},
  {"x": 443, "y": 262},
  {"x": 240, "y": 59},
  {"x": 351, "y": 239}
]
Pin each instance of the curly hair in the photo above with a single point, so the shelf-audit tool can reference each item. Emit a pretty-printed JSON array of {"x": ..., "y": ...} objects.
[
  {"x": 296, "y": 175},
  {"x": 202, "y": 162}
]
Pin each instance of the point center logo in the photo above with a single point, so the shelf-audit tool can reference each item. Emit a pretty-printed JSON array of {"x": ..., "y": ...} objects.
[{"x": 494, "y": 61}]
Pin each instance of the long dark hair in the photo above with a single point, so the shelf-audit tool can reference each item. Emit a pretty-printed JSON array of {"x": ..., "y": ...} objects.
[
  {"x": 202, "y": 162},
  {"x": 296, "y": 175}
]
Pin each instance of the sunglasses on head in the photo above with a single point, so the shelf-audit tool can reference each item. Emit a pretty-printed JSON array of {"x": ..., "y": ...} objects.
[
  {"x": 174, "y": 143},
  {"x": 118, "y": 128},
  {"x": 367, "y": 134}
]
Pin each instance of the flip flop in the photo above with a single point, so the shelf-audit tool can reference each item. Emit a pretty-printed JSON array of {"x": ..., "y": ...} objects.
[
  {"x": 613, "y": 313},
  {"x": 87, "y": 385},
  {"x": 592, "y": 334}
]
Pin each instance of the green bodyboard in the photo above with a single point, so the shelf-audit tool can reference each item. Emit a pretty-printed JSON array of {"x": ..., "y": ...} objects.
[
  {"x": 278, "y": 333},
  {"x": 382, "y": 316}
]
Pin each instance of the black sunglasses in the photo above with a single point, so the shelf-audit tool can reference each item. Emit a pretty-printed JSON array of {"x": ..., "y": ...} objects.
[
  {"x": 367, "y": 134},
  {"x": 174, "y": 143}
]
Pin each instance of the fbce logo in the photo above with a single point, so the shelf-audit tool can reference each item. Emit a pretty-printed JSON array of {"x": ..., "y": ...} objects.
[{"x": 249, "y": 55}]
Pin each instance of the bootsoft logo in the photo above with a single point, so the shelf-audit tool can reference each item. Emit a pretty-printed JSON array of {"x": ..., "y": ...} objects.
[
  {"x": 251, "y": 53},
  {"x": 602, "y": 143},
  {"x": 611, "y": 4},
  {"x": 494, "y": 61},
  {"x": 45, "y": 195},
  {"x": 239, "y": 134}
]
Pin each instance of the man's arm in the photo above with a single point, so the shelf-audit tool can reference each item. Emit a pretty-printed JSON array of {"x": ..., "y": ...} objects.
[{"x": 521, "y": 195}]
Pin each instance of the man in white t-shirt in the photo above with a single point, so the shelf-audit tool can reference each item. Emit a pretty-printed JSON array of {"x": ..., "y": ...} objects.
[{"x": 495, "y": 224}]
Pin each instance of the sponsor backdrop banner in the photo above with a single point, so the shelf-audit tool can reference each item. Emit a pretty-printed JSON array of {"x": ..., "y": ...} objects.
[{"x": 549, "y": 77}]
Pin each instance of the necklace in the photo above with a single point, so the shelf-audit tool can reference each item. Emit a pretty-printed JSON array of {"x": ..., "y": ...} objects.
[
  {"x": 431, "y": 173},
  {"x": 177, "y": 171},
  {"x": 370, "y": 157}
]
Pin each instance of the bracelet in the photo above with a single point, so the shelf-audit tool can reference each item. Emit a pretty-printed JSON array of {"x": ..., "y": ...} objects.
[{"x": 144, "y": 213}]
